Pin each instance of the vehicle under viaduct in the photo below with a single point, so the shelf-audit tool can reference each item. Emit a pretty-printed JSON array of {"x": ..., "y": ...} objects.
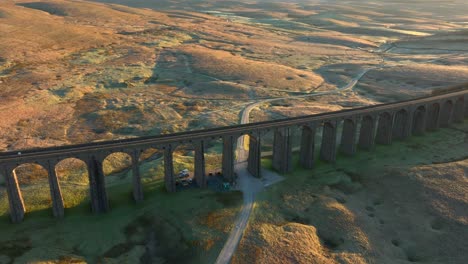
[{"x": 362, "y": 128}]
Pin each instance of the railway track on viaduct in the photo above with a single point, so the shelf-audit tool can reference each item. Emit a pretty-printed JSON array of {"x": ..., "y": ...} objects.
[{"x": 362, "y": 128}]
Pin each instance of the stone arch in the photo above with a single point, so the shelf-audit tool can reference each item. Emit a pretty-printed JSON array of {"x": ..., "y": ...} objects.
[
  {"x": 255, "y": 145},
  {"x": 295, "y": 133},
  {"x": 213, "y": 155},
  {"x": 116, "y": 162},
  {"x": 154, "y": 156},
  {"x": 151, "y": 168},
  {"x": 268, "y": 140},
  {"x": 329, "y": 124},
  {"x": 384, "y": 129},
  {"x": 459, "y": 111},
  {"x": 72, "y": 173},
  {"x": 242, "y": 142},
  {"x": 117, "y": 169},
  {"x": 34, "y": 189},
  {"x": 366, "y": 134},
  {"x": 446, "y": 113},
  {"x": 348, "y": 137},
  {"x": 401, "y": 124},
  {"x": 432, "y": 122},
  {"x": 419, "y": 121},
  {"x": 184, "y": 159},
  {"x": 241, "y": 147}
]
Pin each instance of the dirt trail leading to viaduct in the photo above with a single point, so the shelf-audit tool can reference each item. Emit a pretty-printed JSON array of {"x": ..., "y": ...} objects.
[{"x": 250, "y": 185}]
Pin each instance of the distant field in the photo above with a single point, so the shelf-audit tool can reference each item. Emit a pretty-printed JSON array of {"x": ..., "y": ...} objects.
[
  {"x": 83, "y": 71},
  {"x": 65, "y": 76}
]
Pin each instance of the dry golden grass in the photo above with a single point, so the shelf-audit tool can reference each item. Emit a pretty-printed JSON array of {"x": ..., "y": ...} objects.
[
  {"x": 87, "y": 71},
  {"x": 215, "y": 90},
  {"x": 72, "y": 57},
  {"x": 48, "y": 38},
  {"x": 377, "y": 207},
  {"x": 224, "y": 65},
  {"x": 341, "y": 23},
  {"x": 291, "y": 243},
  {"x": 337, "y": 39},
  {"x": 446, "y": 185}
]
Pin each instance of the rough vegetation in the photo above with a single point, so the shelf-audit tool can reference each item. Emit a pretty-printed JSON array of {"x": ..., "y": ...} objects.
[
  {"x": 401, "y": 203},
  {"x": 74, "y": 76},
  {"x": 83, "y": 71}
]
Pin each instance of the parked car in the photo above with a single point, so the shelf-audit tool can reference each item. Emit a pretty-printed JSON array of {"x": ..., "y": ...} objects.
[{"x": 184, "y": 173}]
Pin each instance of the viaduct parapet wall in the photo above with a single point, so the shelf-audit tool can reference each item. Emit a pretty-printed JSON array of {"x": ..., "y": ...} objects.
[{"x": 362, "y": 129}]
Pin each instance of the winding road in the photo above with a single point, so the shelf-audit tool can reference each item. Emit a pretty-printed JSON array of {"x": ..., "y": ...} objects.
[{"x": 250, "y": 185}]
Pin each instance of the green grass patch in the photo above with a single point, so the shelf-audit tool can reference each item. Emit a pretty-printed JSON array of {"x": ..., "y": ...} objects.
[
  {"x": 177, "y": 221},
  {"x": 443, "y": 145},
  {"x": 189, "y": 226}
]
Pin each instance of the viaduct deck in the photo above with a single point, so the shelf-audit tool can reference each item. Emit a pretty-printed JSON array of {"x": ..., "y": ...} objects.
[{"x": 362, "y": 128}]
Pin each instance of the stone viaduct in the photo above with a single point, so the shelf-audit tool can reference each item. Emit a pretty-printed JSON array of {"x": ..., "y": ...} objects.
[{"x": 362, "y": 128}]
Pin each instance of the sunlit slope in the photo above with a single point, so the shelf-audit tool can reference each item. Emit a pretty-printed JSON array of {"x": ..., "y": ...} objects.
[
  {"x": 224, "y": 65},
  {"x": 48, "y": 38},
  {"x": 91, "y": 12},
  {"x": 165, "y": 69},
  {"x": 60, "y": 27}
]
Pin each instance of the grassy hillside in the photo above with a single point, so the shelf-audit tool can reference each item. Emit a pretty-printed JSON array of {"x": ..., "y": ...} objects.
[
  {"x": 83, "y": 71},
  {"x": 221, "y": 64},
  {"x": 189, "y": 226},
  {"x": 399, "y": 203}
]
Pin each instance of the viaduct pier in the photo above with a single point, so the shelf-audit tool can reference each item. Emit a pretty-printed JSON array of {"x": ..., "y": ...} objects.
[{"x": 362, "y": 129}]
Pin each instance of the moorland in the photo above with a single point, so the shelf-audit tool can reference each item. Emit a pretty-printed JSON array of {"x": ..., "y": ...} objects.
[{"x": 83, "y": 71}]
